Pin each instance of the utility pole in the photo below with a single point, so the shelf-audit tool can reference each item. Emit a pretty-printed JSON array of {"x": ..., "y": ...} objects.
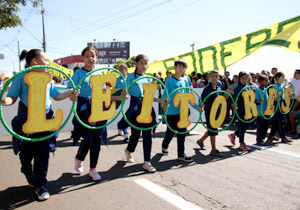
[
  {"x": 19, "y": 56},
  {"x": 44, "y": 37},
  {"x": 192, "y": 46}
]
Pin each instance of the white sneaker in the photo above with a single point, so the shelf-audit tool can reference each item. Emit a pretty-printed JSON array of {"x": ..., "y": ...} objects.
[
  {"x": 120, "y": 133},
  {"x": 126, "y": 137},
  {"x": 95, "y": 175},
  {"x": 148, "y": 167},
  {"x": 128, "y": 156},
  {"x": 78, "y": 165}
]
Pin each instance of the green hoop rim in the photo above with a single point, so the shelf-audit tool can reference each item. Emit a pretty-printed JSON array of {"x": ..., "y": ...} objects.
[
  {"x": 167, "y": 94},
  {"x": 122, "y": 101},
  {"x": 41, "y": 138}
]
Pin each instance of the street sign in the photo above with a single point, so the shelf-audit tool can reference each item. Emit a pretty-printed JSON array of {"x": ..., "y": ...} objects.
[{"x": 111, "y": 52}]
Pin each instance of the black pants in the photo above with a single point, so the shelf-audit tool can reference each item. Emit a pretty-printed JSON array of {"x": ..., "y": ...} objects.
[
  {"x": 262, "y": 128},
  {"x": 242, "y": 128},
  {"x": 91, "y": 142},
  {"x": 135, "y": 135},
  {"x": 172, "y": 121},
  {"x": 39, "y": 153},
  {"x": 278, "y": 124}
]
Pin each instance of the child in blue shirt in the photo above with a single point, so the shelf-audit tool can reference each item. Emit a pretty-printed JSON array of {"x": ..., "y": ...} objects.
[
  {"x": 38, "y": 152},
  {"x": 211, "y": 87},
  {"x": 123, "y": 68},
  {"x": 262, "y": 123},
  {"x": 242, "y": 127},
  {"x": 91, "y": 137},
  {"x": 173, "y": 114},
  {"x": 136, "y": 92},
  {"x": 278, "y": 119}
]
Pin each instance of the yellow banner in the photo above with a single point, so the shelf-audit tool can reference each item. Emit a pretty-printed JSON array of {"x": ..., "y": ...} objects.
[
  {"x": 57, "y": 73},
  {"x": 285, "y": 34}
]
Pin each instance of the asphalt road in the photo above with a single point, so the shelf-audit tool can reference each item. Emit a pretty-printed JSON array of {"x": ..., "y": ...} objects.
[{"x": 260, "y": 179}]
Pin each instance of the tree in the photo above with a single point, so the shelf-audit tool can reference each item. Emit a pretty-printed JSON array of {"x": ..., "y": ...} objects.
[
  {"x": 9, "y": 9},
  {"x": 129, "y": 62}
]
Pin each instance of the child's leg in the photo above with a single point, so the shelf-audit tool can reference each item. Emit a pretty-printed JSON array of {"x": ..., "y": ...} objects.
[
  {"x": 41, "y": 162},
  {"x": 169, "y": 134},
  {"x": 213, "y": 142},
  {"x": 281, "y": 126},
  {"x": 83, "y": 150},
  {"x": 265, "y": 128},
  {"x": 95, "y": 149},
  {"x": 204, "y": 136},
  {"x": 26, "y": 156},
  {"x": 147, "y": 144},
  {"x": 259, "y": 131},
  {"x": 135, "y": 134},
  {"x": 242, "y": 130}
]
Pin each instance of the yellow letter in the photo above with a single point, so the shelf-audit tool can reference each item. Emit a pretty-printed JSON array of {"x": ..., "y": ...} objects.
[
  {"x": 36, "y": 120},
  {"x": 249, "y": 101},
  {"x": 184, "y": 99},
  {"x": 220, "y": 100},
  {"x": 270, "y": 106},
  {"x": 99, "y": 98},
  {"x": 287, "y": 99},
  {"x": 145, "y": 115}
]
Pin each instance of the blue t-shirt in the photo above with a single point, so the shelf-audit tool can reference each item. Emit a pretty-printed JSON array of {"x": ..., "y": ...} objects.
[
  {"x": 171, "y": 84},
  {"x": 264, "y": 102},
  {"x": 136, "y": 89},
  {"x": 19, "y": 88},
  {"x": 280, "y": 91},
  {"x": 120, "y": 83},
  {"x": 86, "y": 86},
  {"x": 188, "y": 81}
]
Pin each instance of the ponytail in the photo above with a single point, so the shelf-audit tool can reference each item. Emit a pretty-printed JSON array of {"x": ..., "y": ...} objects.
[{"x": 28, "y": 56}]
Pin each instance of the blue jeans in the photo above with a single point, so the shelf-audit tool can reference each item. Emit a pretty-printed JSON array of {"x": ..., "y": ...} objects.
[
  {"x": 135, "y": 135},
  {"x": 262, "y": 128}
]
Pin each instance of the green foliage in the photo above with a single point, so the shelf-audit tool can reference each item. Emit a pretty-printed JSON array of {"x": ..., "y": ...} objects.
[
  {"x": 9, "y": 9},
  {"x": 129, "y": 62}
]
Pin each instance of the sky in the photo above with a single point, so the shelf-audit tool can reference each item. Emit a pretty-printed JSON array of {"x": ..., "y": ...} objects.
[{"x": 159, "y": 29}]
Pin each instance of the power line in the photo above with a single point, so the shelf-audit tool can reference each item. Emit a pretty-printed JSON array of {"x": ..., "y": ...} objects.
[{"x": 110, "y": 22}]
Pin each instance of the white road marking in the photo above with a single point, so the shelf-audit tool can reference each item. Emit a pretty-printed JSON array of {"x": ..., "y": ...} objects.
[{"x": 166, "y": 195}]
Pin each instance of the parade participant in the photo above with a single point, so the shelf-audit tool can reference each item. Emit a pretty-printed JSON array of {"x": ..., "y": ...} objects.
[
  {"x": 262, "y": 123},
  {"x": 91, "y": 137},
  {"x": 38, "y": 152},
  {"x": 123, "y": 68},
  {"x": 278, "y": 119},
  {"x": 211, "y": 87},
  {"x": 242, "y": 127},
  {"x": 173, "y": 113},
  {"x": 137, "y": 93}
]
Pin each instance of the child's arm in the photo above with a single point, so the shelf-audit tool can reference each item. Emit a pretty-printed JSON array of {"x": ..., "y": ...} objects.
[
  {"x": 119, "y": 98},
  {"x": 9, "y": 100},
  {"x": 69, "y": 93}
]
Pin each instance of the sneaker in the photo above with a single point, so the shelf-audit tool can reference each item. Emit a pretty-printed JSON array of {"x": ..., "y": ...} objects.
[
  {"x": 273, "y": 137},
  {"x": 261, "y": 143},
  {"x": 216, "y": 153},
  {"x": 126, "y": 137},
  {"x": 78, "y": 165},
  {"x": 286, "y": 140},
  {"x": 120, "y": 133},
  {"x": 148, "y": 167},
  {"x": 94, "y": 175},
  {"x": 244, "y": 147},
  {"x": 232, "y": 139},
  {"x": 201, "y": 145},
  {"x": 185, "y": 159},
  {"x": 164, "y": 151},
  {"x": 128, "y": 156},
  {"x": 42, "y": 193}
]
